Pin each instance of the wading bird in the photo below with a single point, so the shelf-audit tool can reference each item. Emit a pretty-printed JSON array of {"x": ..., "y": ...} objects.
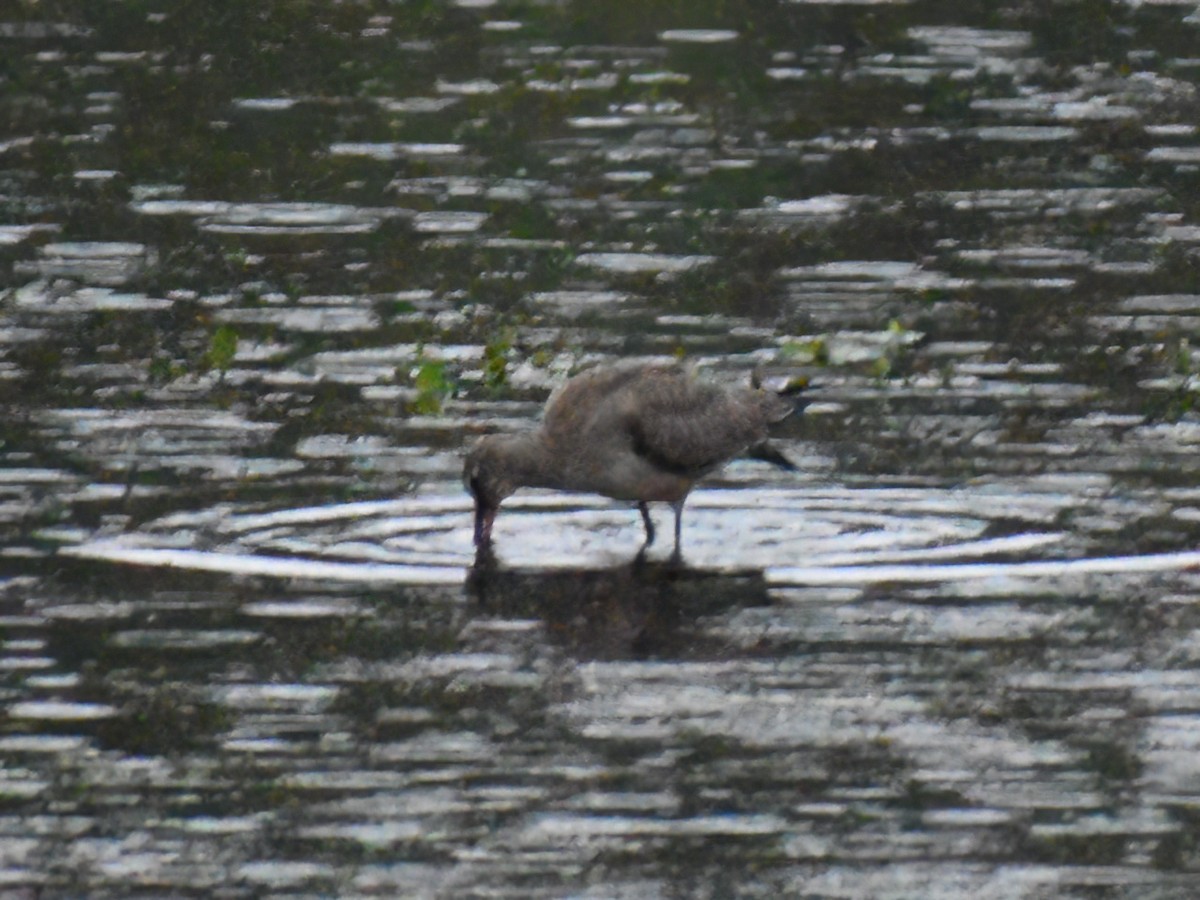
[{"x": 642, "y": 431}]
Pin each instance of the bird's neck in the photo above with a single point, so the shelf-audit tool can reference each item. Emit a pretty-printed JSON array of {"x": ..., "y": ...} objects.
[{"x": 529, "y": 462}]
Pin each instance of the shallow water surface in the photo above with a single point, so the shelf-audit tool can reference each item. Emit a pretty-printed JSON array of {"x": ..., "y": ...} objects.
[{"x": 266, "y": 271}]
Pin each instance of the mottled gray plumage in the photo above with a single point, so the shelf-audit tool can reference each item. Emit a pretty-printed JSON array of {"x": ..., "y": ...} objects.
[{"x": 638, "y": 431}]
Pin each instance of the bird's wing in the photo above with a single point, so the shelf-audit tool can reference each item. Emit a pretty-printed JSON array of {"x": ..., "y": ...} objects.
[
  {"x": 662, "y": 413},
  {"x": 688, "y": 426},
  {"x": 575, "y": 405}
]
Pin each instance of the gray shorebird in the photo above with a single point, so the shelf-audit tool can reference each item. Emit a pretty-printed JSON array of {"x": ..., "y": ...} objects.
[{"x": 642, "y": 431}]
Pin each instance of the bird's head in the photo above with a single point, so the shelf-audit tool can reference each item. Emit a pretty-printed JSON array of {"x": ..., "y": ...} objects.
[{"x": 487, "y": 475}]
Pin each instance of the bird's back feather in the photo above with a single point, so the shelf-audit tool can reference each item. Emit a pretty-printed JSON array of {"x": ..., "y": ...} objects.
[{"x": 662, "y": 413}]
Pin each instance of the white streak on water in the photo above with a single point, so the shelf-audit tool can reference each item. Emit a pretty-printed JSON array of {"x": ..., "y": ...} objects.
[
  {"x": 328, "y": 319},
  {"x": 449, "y": 222},
  {"x": 1026, "y": 133},
  {"x": 637, "y": 263},
  {"x": 265, "y": 104},
  {"x": 11, "y": 235},
  {"x": 176, "y": 639},
  {"x": 314, "y": 514},
  {"x": 472, "y": 87},
  {"x": 302, "y": 609},
  {"x": 1183, "y": 155},
  {"x": 970, "y": 42},
  {"x": 697, "y": 36},
  {"x": 41, "y": 296},
  {"x": 1047, "y": 568},
  {"x": 277, "y": 567},
  {"x": 416, "y": 104},
  {"x": 391, "y": 150},
  {"x": 985, "y": 547},
  {"x": 61, "y": 711},
  {"x": 275, "y": 874}
]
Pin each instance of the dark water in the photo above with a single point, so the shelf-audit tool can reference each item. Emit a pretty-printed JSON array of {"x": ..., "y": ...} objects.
[{"x": 266, "y": 268}]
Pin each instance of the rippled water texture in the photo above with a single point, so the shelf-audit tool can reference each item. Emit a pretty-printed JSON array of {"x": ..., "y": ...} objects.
[{"x": 266, "y": 269}]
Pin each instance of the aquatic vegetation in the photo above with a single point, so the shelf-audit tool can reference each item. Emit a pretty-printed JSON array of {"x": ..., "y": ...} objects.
[
  {"x": 222, "y": 348},
  {"x": 433, "y": 386},
  {"x": 495, "y": 359}
]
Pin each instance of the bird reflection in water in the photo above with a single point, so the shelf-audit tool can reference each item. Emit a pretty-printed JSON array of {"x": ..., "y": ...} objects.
[{"x": 634, "y": 610}]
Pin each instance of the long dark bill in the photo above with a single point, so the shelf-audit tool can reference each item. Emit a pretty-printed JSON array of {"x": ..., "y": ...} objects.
[{"x": 484, "y": 516}]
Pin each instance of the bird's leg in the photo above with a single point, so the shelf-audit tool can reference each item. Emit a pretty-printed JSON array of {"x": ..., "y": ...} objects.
[
  {"x": 678, "y": 507},
  {"x": 645, "y": 511}
]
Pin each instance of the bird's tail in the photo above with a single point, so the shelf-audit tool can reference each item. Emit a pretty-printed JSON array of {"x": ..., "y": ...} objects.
[
  {"x": 784, "y": 401},
  {"x": 778, "y": 405},
  {"x": 792, "y": 391},
  {"x": 768, "y": 452}
]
